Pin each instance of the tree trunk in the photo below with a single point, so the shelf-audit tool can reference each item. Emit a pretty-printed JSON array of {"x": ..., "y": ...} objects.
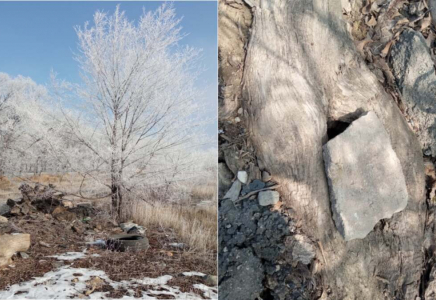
[
  {"x": 117, "y": 198},
  {"x": 301, "y": 74}
]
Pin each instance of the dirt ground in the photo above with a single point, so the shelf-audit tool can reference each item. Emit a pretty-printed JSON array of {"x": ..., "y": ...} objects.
[{"x": 50, "y": 236}]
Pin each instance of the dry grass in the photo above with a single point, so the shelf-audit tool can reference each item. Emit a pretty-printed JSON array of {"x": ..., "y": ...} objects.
[
  {"x": 194, "y": 226},
  {"x": 202, "y": 192},
  {"x": 68, "y": 183}
]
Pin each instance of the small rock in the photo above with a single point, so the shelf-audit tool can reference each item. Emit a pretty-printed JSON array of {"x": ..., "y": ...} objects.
[
  {"x": 235, "y": 190},
  {"x": 24, "y": 255},
  {"x": 237, "y": 120},
  {"x": 210, "y": 280},
  {"x": 3, "y": 219},
  {"x": 4, "y": 209},
  {"x": 266, "y": 176},
  {"x": 240, "y": 111},
  {"x": 268, "y": 198},
  {"x": 243, "y": 176},
  {"x": 302, "y": 249}
]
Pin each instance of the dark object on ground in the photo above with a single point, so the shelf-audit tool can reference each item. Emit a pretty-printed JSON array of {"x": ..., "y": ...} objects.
[
  {"x": 127, "y": 242},
  {"x": 133, "y": 230}
]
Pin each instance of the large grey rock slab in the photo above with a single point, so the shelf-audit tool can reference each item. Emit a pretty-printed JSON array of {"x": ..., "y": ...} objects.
[
  {"x": 365, "y": 178},
  {"x": 414, "y": 73}
]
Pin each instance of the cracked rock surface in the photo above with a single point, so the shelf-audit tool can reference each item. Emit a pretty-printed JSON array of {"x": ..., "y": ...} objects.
[{"x": 365, "y": 177}]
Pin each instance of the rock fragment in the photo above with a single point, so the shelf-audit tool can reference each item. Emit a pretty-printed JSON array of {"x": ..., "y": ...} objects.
[
  {"x": 414, "y": 73},
  {"x": 365, "y": 177},
  {"x": 243, "y": 176},
  {"x": 268, "y": 198},
  {"x": 302, "y": 249},
  {"x": 3, "y": 219},
  {"x": 235, "y": 190},
  {"x": 4, "y": 208}
]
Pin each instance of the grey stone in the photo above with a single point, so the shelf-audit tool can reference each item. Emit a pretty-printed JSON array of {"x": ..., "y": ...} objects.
[
  {"x": 268, "y": 198},
  {"x": 243, "y": 177},
  {"x": 432, "y": 6},
  {"x": 24, "y": 255},
  {"x": 235, "y": 190},
  {"x": 302, "y": 249},
  {"x": 225, "y": 177},
  {"x": 365, "y": 178},
  {"x": 413, "y": 69},
  {"x": 4, "y": 208}
]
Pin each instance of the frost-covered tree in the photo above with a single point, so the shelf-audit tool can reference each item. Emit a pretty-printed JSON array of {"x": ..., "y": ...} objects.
[
  {"x": 138, "y": 95},
  {"x": 21, "y": 124}
]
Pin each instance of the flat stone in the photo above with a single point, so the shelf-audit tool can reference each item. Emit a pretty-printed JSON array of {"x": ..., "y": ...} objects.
[
  {"x": 268, "y": 198},
  {"x": 365, "y": 177},
  {"x": 235, "y": 190},
  {"x": 414, "y": 73}
]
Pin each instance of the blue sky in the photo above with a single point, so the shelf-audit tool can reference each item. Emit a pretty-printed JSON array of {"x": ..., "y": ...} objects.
[{"x": 36, "y": 37}]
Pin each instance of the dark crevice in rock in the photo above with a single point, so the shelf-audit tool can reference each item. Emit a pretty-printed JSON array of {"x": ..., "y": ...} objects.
[{"x": 335, "y": 128}]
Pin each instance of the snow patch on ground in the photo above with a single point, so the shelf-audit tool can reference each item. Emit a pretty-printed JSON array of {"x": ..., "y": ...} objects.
[
  {"x": 208, "y": 292},
  {"x": 66, "y": 283},
  {"x": 193, "y": 274},
  {"x": 70, "y": 255}
]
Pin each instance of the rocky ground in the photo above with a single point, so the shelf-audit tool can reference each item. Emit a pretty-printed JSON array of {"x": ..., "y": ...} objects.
[{"x": 64, "y": 258}]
